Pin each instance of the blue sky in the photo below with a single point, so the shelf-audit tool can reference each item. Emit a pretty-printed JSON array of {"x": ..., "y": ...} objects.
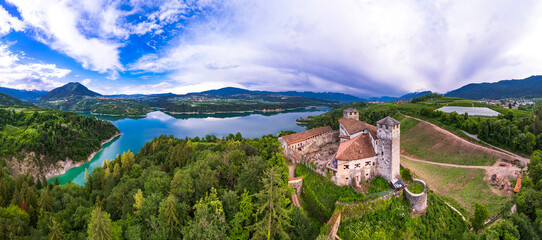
[{"x": 365, "y": 48}]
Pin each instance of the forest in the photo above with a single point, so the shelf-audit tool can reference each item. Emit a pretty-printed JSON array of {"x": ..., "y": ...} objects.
[
  {"x": 55, "y": 135},
  {"x": 173, "y": 188}
]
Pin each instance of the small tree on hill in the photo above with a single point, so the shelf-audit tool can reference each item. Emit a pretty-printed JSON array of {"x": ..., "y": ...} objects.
[{"x": 480, "y": 216}]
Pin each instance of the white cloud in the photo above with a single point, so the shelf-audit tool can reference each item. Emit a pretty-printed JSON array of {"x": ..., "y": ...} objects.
[
  {"x": 27, "y": 75},
  {"x": 56, "y": 24},
  {"x": 8, "y": 22},
  {"x": 361, "y": 47}
]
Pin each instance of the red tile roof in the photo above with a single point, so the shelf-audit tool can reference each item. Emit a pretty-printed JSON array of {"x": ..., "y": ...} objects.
[
  {"x": 353, "y": 126},
  {"x": 359, "y": 147},
  {"x": 301, "y": 136}
]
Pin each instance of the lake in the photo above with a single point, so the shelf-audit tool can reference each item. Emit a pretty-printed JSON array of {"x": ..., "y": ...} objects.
[{"x": 137, "y": 132}]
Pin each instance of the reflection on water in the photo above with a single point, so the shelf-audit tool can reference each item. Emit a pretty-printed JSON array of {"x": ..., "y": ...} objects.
[{"x": 136, "y": 132}]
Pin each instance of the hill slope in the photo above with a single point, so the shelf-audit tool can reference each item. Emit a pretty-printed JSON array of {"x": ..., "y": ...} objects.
[
  {"x": 331, "y": 96},
  {"x": 36, "y": 140},
  {"x": 68, "y": 90},
  {"x": 528, "y": 87},
  {"x": 23, "y": 95},
  {"x": 9, "y": 101}
]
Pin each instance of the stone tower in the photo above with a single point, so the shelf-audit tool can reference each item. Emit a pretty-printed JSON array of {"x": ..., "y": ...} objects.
[
  {"x": 389, "y": 158},
  {"x": 351, "y": 113}
]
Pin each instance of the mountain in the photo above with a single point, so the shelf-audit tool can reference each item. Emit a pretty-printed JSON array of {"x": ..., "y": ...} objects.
[
  {"x": 408, "y": 96},
  {"x": 331, "y": 96},
  {"x": 137, "y": 96},
  {"x": 68, "y": 90},
  {"x": 9, "y": 101},
  {"x": 227, "y": 91},
  {"x": 23, "y": 95},
  {"x": 518, "y": 88}
]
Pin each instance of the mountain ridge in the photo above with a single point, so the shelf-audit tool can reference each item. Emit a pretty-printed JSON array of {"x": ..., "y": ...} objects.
[
  {"x": 516, "y": 88},
  {"x": 22, "y": 94},
  {"x": 68, "y": 90}
]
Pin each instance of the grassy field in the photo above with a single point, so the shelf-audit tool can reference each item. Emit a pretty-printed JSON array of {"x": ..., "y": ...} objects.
[
  {"x": 416, "y": 187},
  {"x": 466, "y": 186},
  {"x": 423, "y": 141}
]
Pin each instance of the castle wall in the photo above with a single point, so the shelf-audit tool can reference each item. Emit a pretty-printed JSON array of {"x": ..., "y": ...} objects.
[{"x": 418, "y": 202}]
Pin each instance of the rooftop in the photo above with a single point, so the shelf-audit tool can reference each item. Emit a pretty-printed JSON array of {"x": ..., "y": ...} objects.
[
  {"x": 351, "y": 110},
  {"x": 388, "y": 121},
  {"x": 353, "y": 126},
  {"x": 359, "y": 147},
  {"x": 301, "y": 136}
]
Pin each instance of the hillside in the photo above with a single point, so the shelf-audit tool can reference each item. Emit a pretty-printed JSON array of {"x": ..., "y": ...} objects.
[
  {"x": 330, "y": 96},
  {"x": 242, "y": 102},
  {"x": 98, "y": 105},
  {"x": 530, "y": 87},
  {"x": 23, "y": 95},
  {"x": 69, "y": 90},
  {"x": 42, "y": 142},
  {"x": 9, "y": 101}
]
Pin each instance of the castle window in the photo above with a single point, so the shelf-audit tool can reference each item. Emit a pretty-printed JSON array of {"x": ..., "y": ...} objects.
[
  {"x": 374, "y": 163},
  {"x": 346, "y": 167},
  {"x": 358, "y": 165}
]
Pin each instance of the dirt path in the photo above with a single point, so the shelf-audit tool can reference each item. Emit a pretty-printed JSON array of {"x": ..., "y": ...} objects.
[
  {"x": 448, "y": 164},
  {"x": 503, "y": 170},
  {"x": 523, "y": 160},
  {"x": 291, "y": 170},
  {"x": 456, "y": 211},
  {"x": 495, "y": 150}
]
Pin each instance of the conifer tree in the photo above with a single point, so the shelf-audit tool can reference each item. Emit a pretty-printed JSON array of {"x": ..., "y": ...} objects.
[
  {"x": 99, "y": 226},
  {"x": 46, "y": 202},
  {"x": 272, "y": 220},
  {"x": 139, "y": 201},
  {"x": 169, "y": 215},
  {"x": 55, "y": 232}
]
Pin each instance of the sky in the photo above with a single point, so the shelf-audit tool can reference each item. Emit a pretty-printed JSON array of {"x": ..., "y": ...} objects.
[{"x": 365, "y": 48}]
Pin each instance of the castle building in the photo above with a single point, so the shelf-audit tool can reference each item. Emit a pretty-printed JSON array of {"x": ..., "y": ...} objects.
[
  {"x": 301, "y": 140},
  {"x": 366, "y": 151}
]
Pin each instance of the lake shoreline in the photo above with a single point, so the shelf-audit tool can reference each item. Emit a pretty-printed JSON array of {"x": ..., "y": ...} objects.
[
  {"x": 243, "y": 111},
  {"x": 69, "y": 164}
]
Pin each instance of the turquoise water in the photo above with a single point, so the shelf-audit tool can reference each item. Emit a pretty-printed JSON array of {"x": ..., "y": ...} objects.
[{"x": 136, "y": 132}]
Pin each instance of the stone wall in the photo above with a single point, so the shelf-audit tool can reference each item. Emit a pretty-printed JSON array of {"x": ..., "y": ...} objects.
[
  {"x": 334, "y": 223},
  {"x": 297, "y": 184},
  {"x": 418, "y": 202}
]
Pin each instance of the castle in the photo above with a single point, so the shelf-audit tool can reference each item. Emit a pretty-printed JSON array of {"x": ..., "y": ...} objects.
[{"x": 364, "y": 150}]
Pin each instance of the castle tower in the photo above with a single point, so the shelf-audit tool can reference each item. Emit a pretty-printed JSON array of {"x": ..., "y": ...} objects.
[
  {"x": 389, "y": 158},
  {"x": 351, "y": 113}
]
